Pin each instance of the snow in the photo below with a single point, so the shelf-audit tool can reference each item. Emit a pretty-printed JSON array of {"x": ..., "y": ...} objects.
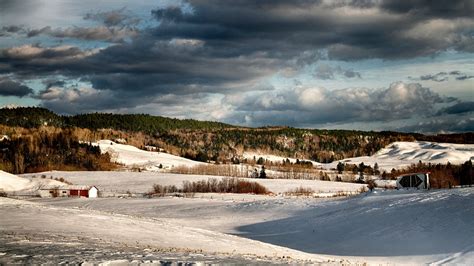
[
  {"x": 379, "y": 227},
  {"x": 142, "y": 182},
  {"x": 127, "y": 230},
  {"x": 132, "y": 156},
  {"x": 397, "y": 155},
  {"x": 382, "y": 227},
  {"x": 272, "y": 158},
  {"x": 399, "y": 226},
  {"x": 12, "y": 183},
  {"x": 9, "y": 182}
]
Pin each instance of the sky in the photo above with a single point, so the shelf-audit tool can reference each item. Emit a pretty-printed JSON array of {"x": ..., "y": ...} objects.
[{"x": 342, "y": 64}]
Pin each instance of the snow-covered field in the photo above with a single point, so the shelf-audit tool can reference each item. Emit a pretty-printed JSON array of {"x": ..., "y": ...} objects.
[
  {"x": 142, "y": 182},
  {"x": 150, "y": 160},
  {"x": 401, "y": 227}
]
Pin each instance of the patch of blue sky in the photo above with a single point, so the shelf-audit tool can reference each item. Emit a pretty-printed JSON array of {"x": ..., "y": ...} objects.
[{"x": 376, "y": 73}]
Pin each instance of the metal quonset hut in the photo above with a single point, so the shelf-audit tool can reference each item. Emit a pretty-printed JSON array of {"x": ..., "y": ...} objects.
[{"x": 414, "y": 180}]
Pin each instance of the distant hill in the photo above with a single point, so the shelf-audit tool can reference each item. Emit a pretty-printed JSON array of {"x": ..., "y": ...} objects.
[
  {"x": 31, "y": 117},
  {"x": 215, "y": 141}
]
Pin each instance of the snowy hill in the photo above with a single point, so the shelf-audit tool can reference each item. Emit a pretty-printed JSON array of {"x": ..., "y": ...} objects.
[
  {"x": 131, "y": 156},
  {"x": 401, "y": 154},
  {"x": 396, "y": 155},
  {"x": 11, "y": 183}
]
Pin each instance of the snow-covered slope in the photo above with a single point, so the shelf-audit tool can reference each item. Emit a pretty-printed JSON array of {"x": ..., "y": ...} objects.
[
  {"x": 409, "y": 227},
  {"x": 402, "y": 154},
  {"x": 271, "y": 158},
  {"x": 131, "y": 156},
  {"x": 397, "y": 155},
  {"x": 10, "y": 183}
]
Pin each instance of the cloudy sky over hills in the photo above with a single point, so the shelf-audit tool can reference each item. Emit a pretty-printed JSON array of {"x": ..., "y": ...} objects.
[{"x": 361, "y": 64}]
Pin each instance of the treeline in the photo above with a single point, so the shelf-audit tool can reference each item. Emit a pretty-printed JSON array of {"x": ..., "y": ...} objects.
[
  {"x": 43, "y": 151},
  {"x": 219, "y": 142},
  {"x": 31, "y": 117},
  {"x": 228, "y": 145}
]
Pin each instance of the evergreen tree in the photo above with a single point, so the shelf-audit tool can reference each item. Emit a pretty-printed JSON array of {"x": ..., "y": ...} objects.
[
  {"x": 376, "y": 169},
  {"x": 262, "y": 172},
  {"x": 340, "y": 167}
]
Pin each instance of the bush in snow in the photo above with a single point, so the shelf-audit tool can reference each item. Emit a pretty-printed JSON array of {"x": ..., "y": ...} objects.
[
  {"x": 300, "y": 191},
  {"x": 212, "y": 185}
]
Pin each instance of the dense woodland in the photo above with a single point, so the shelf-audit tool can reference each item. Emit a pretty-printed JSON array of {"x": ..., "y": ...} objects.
[
  {"x": 45, "y": 150},
  {"x": 41, "y": 139}
]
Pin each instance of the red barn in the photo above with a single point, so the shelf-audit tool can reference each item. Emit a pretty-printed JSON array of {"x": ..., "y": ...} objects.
[
  {"x": 70, "y": 191},
  {"x": 83, "y": 191}
]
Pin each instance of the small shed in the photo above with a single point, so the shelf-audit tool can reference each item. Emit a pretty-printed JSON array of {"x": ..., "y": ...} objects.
[
  {"x": 414, "y": 180},
  {"x": 69, "y": 191}
]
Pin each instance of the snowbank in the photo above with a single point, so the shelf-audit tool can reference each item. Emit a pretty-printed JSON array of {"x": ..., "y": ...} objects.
[
  {"x": 9, "y": 182},
  {"x": 12, "y": 183},
  {"x": 131, "y": 156}
]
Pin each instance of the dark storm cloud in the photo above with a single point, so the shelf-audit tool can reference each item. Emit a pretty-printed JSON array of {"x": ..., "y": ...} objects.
[
  {"x": 215, "y": 43},
  {"x": 352, "y": 74},
  {"x": 464, "y": 77},
  {"x": 324, "y": 71},
  {"x": 116, "y": 26},
  {"x": 180, "y": 66},
  {"x": 12, "y": 29},
  {"x": 9, "y": 87},
  {"x": 16, "y": 6},
  {"x": 290, "y": 27},
  {"x": 439, "y": 77},
  {"x": 445, "y": 124},
  {"x": 119, "y": 17},
  {"x": 444, "y": 76},
  {"x": 48, "y": 83},
  {"x": 33, "y": 61},
  {"x": 451, "y": 9},
  {"x": 459, "y": 108},
  {"x": 101, "y": 33},
  {"x": 211, "y": 46}
]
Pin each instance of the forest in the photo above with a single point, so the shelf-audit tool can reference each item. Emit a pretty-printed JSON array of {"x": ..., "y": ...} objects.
[{"x": 35, "y": 131}]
